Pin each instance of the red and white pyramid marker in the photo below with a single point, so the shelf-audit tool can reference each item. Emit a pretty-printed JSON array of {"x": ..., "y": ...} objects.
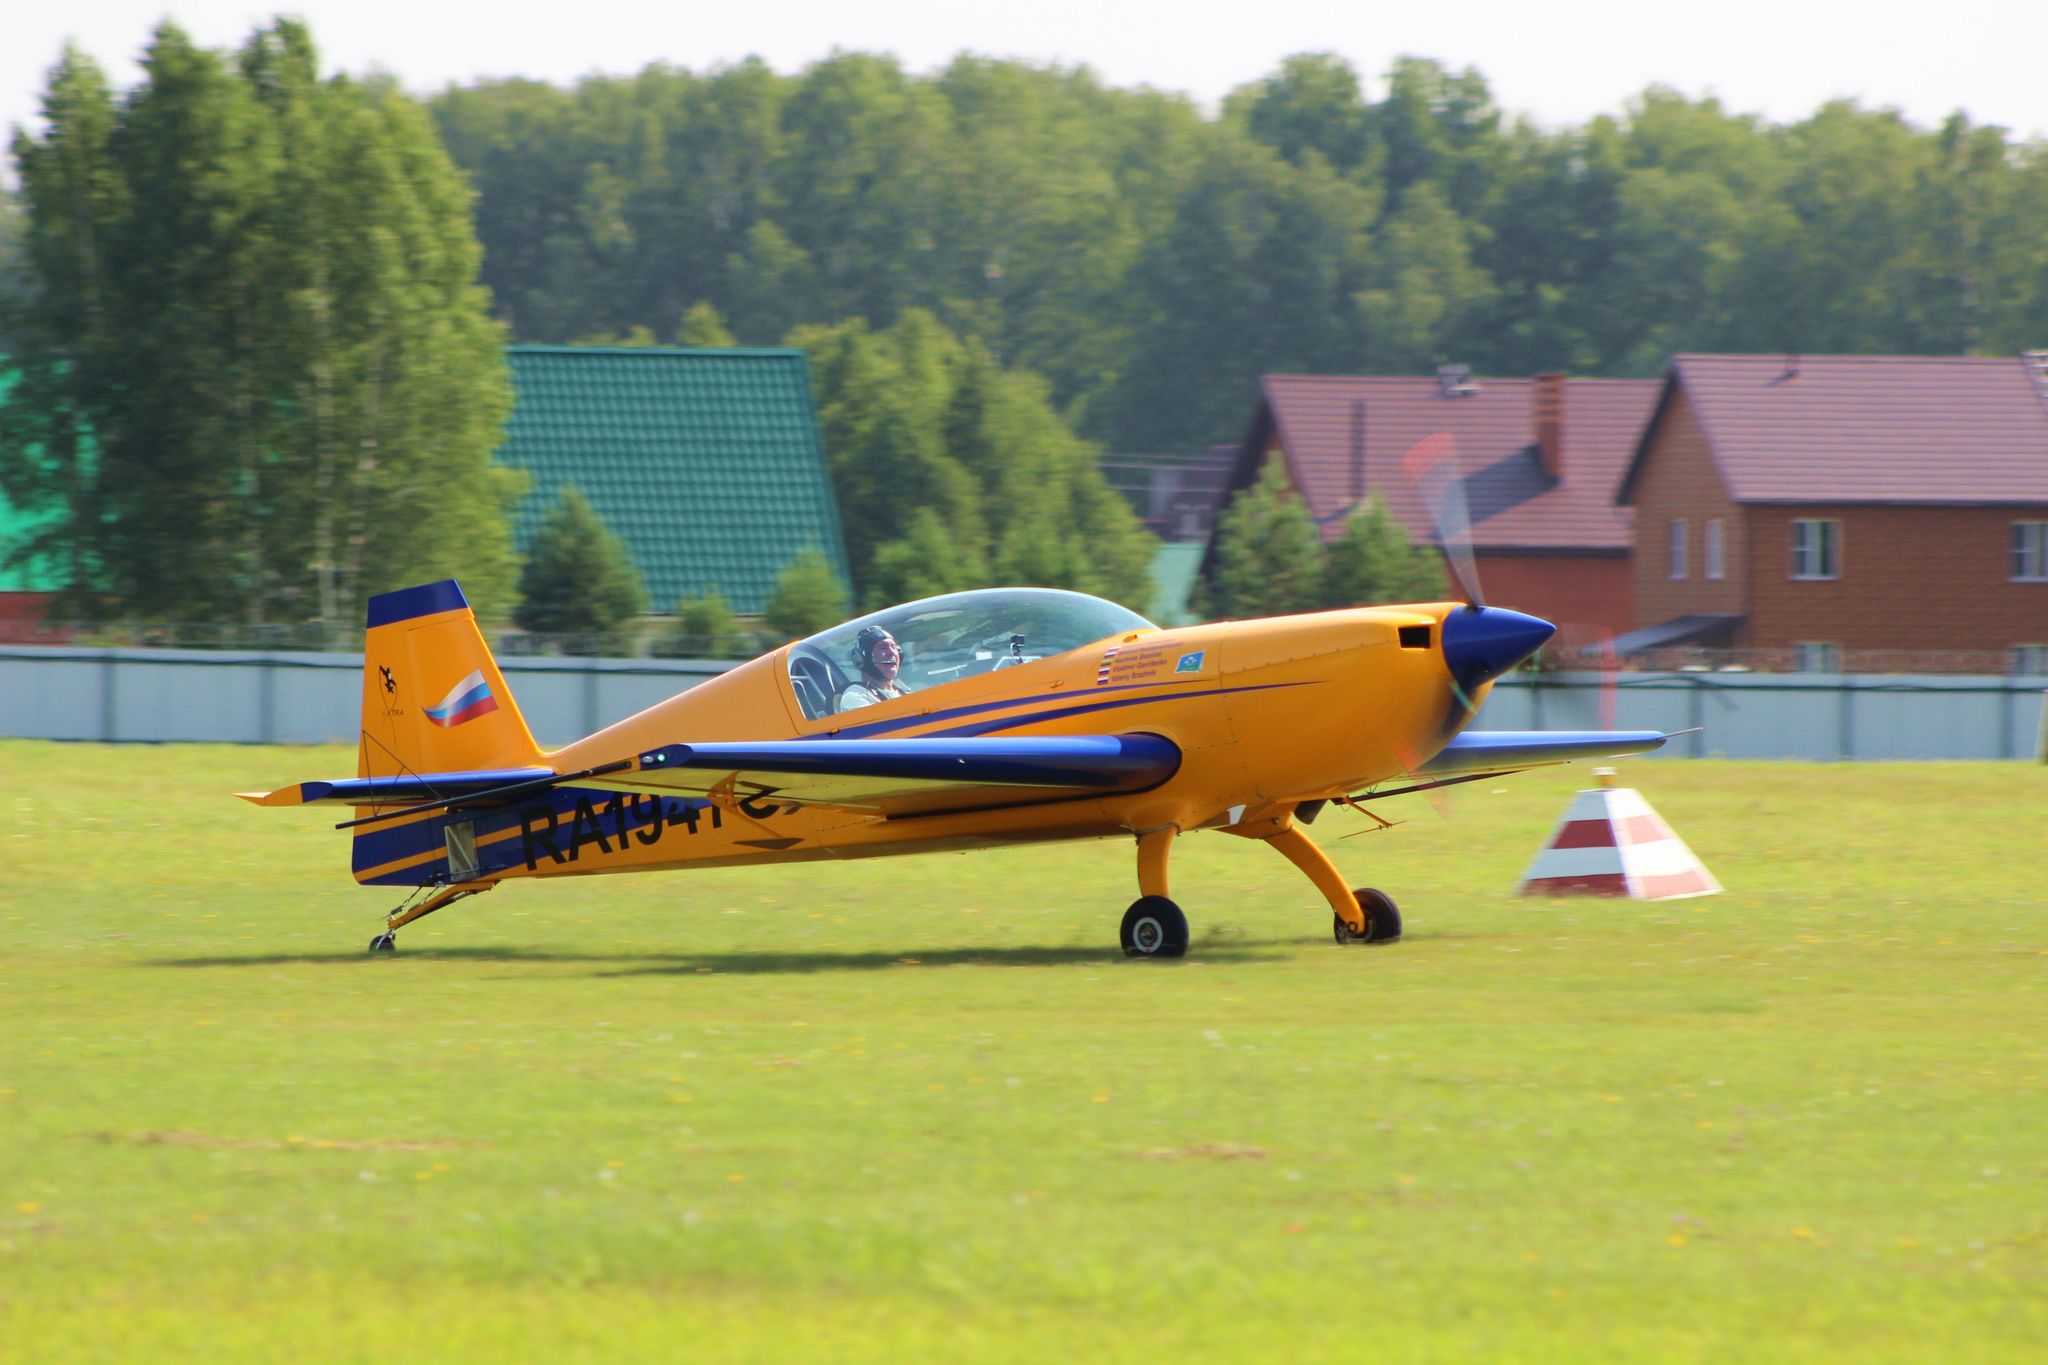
[{"x": 1610, "y": 843}]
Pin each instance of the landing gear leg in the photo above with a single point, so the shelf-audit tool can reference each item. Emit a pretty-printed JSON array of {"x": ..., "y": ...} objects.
[
  {"x": 387, "y": 942},
  {"x": 1154, "y": 926},
  {"x": 1363, "y": 916}
]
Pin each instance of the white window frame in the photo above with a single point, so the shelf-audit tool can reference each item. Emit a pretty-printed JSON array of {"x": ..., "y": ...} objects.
[
  {"x": 2029, "y": 552},
  {"x": 1675, "y": 550},
  {"x": 1816, "y": 656},
  {"x": 1715, "y": 567},
  {"x": 1816, "y": 550}
]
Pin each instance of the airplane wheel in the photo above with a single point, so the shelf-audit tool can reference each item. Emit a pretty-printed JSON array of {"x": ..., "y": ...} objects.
[
  {"x": 1382, "y": 919},
  {"x": 1154, "y": 927},
  {"x": 384, "y": 943}
]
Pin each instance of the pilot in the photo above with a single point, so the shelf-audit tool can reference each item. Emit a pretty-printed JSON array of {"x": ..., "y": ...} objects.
[{"x": 879, "y": 659}]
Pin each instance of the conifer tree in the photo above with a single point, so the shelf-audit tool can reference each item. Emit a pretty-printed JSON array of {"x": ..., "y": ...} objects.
[
  {"x": 579, "y": 578},
  {"x": 705, "y": 628},
  {"x": 808, "y": 597},
  {"x": 1268, "y": 558},
  {"x": 1373, "y": 562}
]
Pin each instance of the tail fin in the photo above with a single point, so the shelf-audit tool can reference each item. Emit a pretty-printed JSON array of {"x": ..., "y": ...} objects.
[{"x": 433, "y": 698}]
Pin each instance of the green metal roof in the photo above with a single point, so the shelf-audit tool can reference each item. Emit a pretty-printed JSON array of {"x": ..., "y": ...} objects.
[
  {"x": 36, "y": 575},
  {"x": 707, "y": 463},
  {"x": 1174, "y": 565}
]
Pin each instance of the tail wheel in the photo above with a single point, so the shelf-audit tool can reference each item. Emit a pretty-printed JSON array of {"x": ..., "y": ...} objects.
[
  {"x": 1382, "y": 918},
  {"x": 1154, "y": 927}
]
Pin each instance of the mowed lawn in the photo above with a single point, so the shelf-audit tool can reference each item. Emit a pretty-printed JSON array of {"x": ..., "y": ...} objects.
[{"x": 923, "y": 1109}]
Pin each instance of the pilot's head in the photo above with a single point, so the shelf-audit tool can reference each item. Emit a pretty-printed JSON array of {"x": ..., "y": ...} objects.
[{"x": 877, "y": 654}]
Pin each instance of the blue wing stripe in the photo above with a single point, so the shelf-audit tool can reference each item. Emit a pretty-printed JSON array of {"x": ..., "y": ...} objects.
[{"x": 1091, "y": 762}]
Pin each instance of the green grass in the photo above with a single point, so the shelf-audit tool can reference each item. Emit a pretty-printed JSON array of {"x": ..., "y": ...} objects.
[{"x": 921, "y": 1108}]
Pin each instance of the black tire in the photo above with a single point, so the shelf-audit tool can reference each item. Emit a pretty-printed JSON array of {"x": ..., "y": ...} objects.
[
  {"x": 384, "y": 943},
  {"x": 1382, "y": 919},
  {"x": 1154, "y": 927}
]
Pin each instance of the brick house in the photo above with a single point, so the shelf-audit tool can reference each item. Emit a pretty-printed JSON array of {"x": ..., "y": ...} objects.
[
  {"x": 1827, "y": 505},
  {"x": 1540, "y": 458}
]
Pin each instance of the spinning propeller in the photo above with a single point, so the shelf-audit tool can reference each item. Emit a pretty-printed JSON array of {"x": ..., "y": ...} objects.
[{"x": 1479, "y": 642}]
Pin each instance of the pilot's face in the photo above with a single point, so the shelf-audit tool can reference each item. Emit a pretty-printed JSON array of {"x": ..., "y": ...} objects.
[{"x": 887, "y": 657}]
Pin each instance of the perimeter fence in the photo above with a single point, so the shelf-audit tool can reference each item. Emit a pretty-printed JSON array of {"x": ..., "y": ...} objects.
[{"x": 73, "y": 692}]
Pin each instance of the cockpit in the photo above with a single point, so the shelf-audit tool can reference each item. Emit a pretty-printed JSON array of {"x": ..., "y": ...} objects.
[{"x": 941, "y": 640}]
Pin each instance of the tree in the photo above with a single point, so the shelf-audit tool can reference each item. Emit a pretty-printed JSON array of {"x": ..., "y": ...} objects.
[
  {"x": 256, "y": 365},
  {"x": 953, "y": 472},
  {"x": 705, "y": 628},
  {"x": 1255, "y": 274},
  {"x": 1268, "y": 558},
  {"x": 579, "y": 578},
  {"x": 702, "y": 326},
  {"x": 924, "y": 561},
  {"x": 1427, "y": 293},
  {"x": 1373, "y": 562},
  {"x": 808, "y": 597},
  {"x": 1313, "y": 104}
]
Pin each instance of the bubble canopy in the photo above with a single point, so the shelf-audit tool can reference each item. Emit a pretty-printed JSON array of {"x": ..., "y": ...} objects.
[{"x": 944, "y": 639}]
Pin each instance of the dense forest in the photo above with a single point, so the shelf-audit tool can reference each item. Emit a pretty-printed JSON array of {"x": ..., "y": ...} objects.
[
  {"x": 250, "y": 355},
  {"x": 1149, "y": 261}
]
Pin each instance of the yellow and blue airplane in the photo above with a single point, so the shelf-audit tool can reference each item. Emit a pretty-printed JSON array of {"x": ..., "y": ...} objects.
[{"x": 999, "y": 716}]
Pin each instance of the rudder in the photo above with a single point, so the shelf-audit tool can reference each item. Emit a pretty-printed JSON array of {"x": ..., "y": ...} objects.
[{"x": 433, "y": 698}]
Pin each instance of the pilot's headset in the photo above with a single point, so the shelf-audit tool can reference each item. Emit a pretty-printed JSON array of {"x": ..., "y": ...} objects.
[{"x": 863, "y": 647}]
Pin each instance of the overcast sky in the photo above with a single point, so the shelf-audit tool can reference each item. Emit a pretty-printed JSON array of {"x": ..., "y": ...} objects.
[{"x": 1560, "y": 62}]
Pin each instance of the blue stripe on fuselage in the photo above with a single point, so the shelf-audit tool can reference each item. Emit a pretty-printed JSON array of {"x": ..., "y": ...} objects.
[{"x": 883, "y": 727}]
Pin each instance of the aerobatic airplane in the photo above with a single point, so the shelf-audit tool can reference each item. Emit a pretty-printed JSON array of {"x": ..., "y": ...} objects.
[{"x": 1000, "y": 716}]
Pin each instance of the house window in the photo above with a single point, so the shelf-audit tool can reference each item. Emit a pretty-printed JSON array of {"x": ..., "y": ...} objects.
[
  {"x": 2030, "y": 659},
  {"x": 1815, "y": 657},
  {"x": 1712, "y": 549},
  {"x": 1675, "y": 553},
  {"x": 2030, "y": 551},
  {"x": 1816, "y": 549}
]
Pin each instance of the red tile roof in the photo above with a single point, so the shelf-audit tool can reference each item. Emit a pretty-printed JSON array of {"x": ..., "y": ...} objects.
[
  {"x": 1326, "y": 422},
  {"x": 1879, "y": 429}
]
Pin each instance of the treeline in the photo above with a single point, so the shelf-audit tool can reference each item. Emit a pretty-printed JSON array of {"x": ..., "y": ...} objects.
[
  {"x": 256, "y": 377},
  {"x": 1150, "y": 262},
  {"x": 250, "y": 376}
]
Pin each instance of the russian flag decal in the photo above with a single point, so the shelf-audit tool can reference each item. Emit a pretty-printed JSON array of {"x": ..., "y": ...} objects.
[{"x": 466, "y": 700}]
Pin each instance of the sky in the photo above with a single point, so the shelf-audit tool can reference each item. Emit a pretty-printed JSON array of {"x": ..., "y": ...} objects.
[{"x": 1560, "y": 63}]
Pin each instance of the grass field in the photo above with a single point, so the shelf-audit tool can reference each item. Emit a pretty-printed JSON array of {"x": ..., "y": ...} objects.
[{"x": 923, "y": 1109}]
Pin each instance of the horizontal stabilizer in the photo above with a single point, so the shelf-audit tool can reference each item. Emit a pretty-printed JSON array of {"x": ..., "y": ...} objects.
[
  {"x": 1505, "y": 750},
  {"x": 395, "y": 789},
  {"x": 900, "y": 777}
]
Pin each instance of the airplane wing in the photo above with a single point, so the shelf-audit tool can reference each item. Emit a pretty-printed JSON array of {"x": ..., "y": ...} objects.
[
  {"x": 1506, "y": 750},
  {"x": 397, "y": 788},
  {"x": 1492, "y": 753},
  {"x": 888, "y": 777},
  {"x": 903, "y": 777}
]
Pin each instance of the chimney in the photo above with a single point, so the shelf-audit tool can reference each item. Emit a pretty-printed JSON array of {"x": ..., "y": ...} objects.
[
  {"x": 1550, "y": 423},
  {"x": 1357, "y": 451}
]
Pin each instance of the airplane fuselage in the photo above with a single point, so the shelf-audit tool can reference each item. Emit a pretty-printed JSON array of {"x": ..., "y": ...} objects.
[{"x": 1266, "y": 714}]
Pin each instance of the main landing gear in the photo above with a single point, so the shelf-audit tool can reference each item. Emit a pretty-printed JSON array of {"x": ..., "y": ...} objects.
[
  {"x": 1382, "y": 919},
  {"x": 406, "y": 913},
  {"x": 1155, "y": 927}
]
